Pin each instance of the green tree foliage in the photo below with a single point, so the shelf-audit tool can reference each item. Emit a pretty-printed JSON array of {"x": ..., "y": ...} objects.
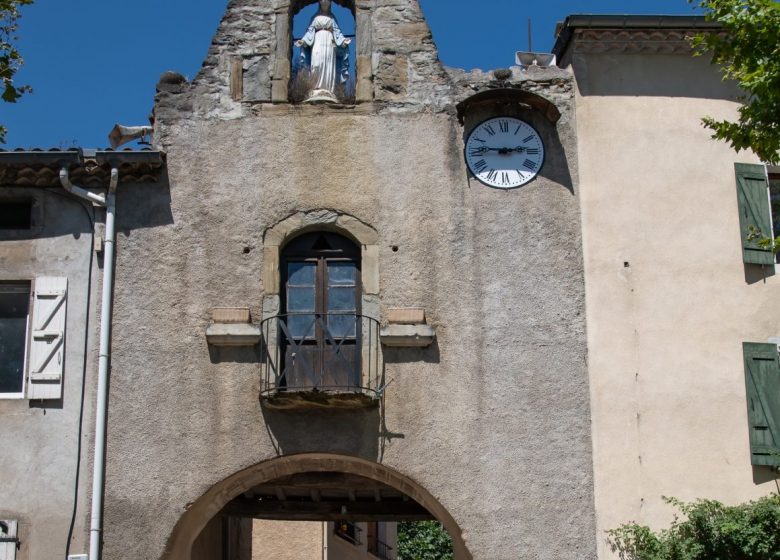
[
  {"x": 10, "y": 59},
  {"x": 709, "y": 531},
  {"x": 748, "y": 51},
  {"x": 423, "y": 540}
]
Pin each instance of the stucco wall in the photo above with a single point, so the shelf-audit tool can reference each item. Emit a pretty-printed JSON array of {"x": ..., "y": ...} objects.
[
  {"x": 669, "y": 301},
  {"x": 493, "y": 419},
  {"x": 288, "y": 540},
  {"x": 39, "y": 440}
]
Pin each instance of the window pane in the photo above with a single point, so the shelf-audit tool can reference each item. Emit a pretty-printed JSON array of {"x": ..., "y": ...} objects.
[
  {"x": 342, "y": 326},
  {"x": 301, "y": 326},
  {"x": 342, "y": 273},
  {"x": 341, "y": 299},
  {"x": 300, "y": 299},
  {"x": 14, "y": 306},
  {"x": 16, "y": 215},
  {"x": 301, "y": 273}
]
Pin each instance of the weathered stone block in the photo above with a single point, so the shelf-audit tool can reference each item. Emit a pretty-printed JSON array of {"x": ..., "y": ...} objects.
[
  {"x": 257, "y": 80},
  {"x": 408, "y": 336},
  {"x": 406, "y": 316},
  {"x": 233, "y": 335},
  {"x": 230, "y": 315},
  {"x": 392, "y": 76}
]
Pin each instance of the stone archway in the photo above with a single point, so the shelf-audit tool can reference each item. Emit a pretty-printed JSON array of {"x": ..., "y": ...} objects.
[{"x": 215, "y": 499}]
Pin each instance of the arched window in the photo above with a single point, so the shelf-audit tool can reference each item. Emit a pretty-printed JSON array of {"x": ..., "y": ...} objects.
[{"x": 320, "y": 326}]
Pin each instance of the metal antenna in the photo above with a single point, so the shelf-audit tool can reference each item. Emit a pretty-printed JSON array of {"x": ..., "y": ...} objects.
[{"x": 530, "y": 45}]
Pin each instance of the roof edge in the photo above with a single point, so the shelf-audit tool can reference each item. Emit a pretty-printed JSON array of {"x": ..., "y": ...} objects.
[
  {"x": 77, "y": 157},
  {"x": 566, "y": 29}
]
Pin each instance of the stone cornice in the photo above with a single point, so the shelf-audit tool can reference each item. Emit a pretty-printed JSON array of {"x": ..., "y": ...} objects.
[{"x": 645, "y": 41}]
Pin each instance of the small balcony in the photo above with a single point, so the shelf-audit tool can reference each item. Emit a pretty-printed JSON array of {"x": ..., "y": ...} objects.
[
  {"x": 321, "y": 360},
  {"x": 381, "y": 550}
]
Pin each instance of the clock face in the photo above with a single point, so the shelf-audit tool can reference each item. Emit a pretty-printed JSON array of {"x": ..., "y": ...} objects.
[{"x": 504, "y": 152}]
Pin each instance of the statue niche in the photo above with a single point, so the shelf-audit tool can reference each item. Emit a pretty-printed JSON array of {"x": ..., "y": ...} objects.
[{"x": 321, "y": 70}]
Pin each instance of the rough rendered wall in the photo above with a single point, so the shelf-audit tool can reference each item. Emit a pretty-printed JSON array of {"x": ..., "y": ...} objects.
[
  {"x": 493, "y": 419},
  {"x": 288, "y": 540},
  {"x": 39, "y": 440},
  {"x": 669, "y": 300}
]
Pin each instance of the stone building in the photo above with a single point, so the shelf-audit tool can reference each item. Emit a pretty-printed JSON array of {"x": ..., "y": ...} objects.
[{"x": 340, "y": 312}]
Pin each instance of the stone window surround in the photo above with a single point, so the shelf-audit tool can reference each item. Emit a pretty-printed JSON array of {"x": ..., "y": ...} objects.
[
  {"x": 277, "y": 236},
  {"x": 285, "y": 11}
]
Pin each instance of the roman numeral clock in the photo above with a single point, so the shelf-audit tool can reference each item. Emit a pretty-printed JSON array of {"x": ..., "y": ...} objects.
[{"x": 504, "y": 152}]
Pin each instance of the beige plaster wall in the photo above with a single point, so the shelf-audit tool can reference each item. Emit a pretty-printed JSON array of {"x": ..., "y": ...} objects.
[
  {"x": 668, "y": 299},
  {"x": 287, "y": 540}
]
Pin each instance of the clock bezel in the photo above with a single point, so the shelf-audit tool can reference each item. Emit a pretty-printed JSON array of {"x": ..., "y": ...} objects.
[{"x": 511, "y": 117}]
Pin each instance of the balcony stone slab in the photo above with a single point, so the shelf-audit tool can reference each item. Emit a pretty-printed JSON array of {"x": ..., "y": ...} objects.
[
  {"x": 238, "y": 334},
  {"x": 407, "y": 336}
]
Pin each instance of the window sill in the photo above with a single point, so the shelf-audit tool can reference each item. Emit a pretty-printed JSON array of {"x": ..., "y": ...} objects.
[
  {"x": 226, "y": 334},
  {"x": 407, "y": 336}
]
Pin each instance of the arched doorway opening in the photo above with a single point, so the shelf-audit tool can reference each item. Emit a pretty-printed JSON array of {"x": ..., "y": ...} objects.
[{"x": 313, "y": 486}]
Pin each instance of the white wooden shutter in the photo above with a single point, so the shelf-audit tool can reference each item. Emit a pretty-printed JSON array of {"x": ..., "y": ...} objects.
[
  {"x": 47, "y": 338},
  {"x": 8, "y": 539}
]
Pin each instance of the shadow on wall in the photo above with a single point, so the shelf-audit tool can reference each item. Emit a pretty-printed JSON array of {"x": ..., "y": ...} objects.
[
  {"x": 144, "y": 205},
  {"x": 347, "y": 432},
  {"x": 758, "y": 273},
  {"x": 657, "y": 75},
  {"x": 52, "y": 212},
  {"x": 428, "y": 355},
  {"x": 556, "y": 167},
  {"x": 763, "y": 475},
  {"x": 236, "y": 354}
]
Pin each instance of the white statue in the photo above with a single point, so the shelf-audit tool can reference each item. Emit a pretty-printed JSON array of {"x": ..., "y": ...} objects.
[{"x": 325, "y": 51}]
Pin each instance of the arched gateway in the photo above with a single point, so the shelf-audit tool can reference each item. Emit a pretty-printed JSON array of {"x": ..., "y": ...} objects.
[{"x": 222, "y": 495}]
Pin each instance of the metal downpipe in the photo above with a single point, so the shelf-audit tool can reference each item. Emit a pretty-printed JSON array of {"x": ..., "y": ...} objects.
[
  {"x": 106, "y": 307},
  {"x": 101, "y": 412}
]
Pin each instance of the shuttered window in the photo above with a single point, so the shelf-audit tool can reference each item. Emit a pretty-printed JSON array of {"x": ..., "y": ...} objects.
[
  {"x": 762, "y": 380},
  {"x": 47, "y": 338},
  {"x": 8, "y": 539},
  {"x": 754, "y": 212}
]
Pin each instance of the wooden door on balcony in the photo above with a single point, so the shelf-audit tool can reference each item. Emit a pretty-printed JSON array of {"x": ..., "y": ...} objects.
[{"x": 321, "y": 301}]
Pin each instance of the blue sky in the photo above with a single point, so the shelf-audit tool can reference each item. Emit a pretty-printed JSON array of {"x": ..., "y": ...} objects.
[{"x": 93, "y": 63}]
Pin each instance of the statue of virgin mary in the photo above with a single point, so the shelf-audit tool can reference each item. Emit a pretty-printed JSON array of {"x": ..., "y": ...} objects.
[{"x": 325, "y": 52}]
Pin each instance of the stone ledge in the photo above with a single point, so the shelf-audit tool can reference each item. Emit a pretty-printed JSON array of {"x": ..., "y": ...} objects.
[
  {"x": 317, "y": 400},
  {"x": 224, "y": 334},
  {"x": 407, "y": 336}
]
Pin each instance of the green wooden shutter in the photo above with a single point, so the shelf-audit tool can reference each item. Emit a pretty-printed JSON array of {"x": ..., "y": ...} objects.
[
  {"x": 762, "y": 378},
  {"x": 753, "y": 198}
]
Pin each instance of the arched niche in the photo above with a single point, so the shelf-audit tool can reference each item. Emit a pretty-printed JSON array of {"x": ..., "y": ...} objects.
[
  {"x": 286, "y": 10},
  {"x": 210, "y": 504},
  {"x": 297, "y": 5},
  {"x": 510, "y": 95}
]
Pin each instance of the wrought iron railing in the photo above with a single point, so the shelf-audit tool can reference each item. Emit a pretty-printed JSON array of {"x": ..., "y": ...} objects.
[
  {"x": 381, "y": 550},
  {"x": 348, "y": 531},
  {"x": 326, "y": 352}
]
